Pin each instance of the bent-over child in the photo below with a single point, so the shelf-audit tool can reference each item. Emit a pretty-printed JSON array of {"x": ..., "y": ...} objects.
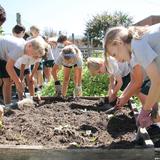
[
  {"x": 142, "y": 43},
  {"x": 11, "y": 49},
  {"x": 70, "y": 57}
]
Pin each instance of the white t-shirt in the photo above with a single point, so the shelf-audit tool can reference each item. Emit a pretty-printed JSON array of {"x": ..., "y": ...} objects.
[
  {"x": 50, "y": 54},
  {"x": 11, "y": 47},
  {"x": 147, "y": 49},
  {"x": 116, "y": 68},
  {"x": 27, "y": 60},
  {"x": 133, "y": 62},
  {"x": 78, "y": 61},
  {"x": 56, "y": 52}
]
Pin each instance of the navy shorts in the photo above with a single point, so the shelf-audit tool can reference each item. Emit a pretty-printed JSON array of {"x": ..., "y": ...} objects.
[
  {"x": 70, "y": 66},
  {"x": 40, "y": 67},
  {"x": 3, "y": 71},
  {"x": 126, "y": 80},
  {"x": 26, "y": 71},
  {"x": 146, "y": 86},
  {"x": 48, "y": 63}
]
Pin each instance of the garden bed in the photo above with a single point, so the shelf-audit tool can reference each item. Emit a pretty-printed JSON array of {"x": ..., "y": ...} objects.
[{"x": 70, "y": 123}]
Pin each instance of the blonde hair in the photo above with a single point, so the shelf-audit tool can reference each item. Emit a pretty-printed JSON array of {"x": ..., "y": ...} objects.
[
  {"x": 94, "y": 64},
  {"x": 70, "y": 50},
  {"x": 124, "y": 34},
  {"x": 39, "y": 46},
  {"x": 34, "y": 28}
]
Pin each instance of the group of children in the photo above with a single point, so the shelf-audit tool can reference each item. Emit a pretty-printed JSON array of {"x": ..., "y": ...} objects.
[
  {"x": 131, "y": 59},
  {"x": 24, "y": 62}
]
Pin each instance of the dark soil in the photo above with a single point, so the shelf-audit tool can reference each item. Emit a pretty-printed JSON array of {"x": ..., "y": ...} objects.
[{"x": 72, "y": 123}]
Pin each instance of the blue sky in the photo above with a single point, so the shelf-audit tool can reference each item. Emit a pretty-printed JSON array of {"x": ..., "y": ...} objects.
[{"x": 70, "y": 16}]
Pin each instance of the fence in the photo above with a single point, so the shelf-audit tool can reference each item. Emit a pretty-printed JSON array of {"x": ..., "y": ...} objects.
[{"x": 91, "y": 51}]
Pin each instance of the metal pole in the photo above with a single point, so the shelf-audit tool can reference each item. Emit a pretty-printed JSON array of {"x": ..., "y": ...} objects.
[{"x": 18, "y": 18}]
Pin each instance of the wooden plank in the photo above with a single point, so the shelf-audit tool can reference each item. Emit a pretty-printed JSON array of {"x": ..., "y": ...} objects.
[
  {"x": 60, "y": 98},
  {"x": 72, "y": 154}
]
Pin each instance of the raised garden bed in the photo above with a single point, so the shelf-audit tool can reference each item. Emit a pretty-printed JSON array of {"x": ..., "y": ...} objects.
[{"x": 71, "y": 126}]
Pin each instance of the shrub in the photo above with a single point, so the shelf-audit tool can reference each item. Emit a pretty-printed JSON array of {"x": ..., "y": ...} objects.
[{"x": 92, "y": 86}]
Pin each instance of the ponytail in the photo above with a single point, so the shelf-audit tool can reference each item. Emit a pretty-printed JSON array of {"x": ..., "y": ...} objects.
[{"x": 137, "y": 32}]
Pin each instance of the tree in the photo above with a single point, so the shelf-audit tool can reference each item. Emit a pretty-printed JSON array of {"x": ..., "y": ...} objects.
[{"x": 98, "y": 25}]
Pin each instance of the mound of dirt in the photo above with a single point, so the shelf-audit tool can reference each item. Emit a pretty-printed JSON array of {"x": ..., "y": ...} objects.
[{"x": 74, "y": 123}]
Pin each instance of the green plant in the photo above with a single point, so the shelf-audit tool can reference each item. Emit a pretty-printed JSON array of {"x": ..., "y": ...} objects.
[{"x": 92, "y": 86}]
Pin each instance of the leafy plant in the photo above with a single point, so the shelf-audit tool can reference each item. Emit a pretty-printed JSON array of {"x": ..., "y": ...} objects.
[{"x": 91, "y": 86}]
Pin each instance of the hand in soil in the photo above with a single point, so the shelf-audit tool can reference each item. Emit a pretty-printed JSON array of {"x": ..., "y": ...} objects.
[
  {"x": 121, "y": 101},
  {"x": 144, "y": 119}
]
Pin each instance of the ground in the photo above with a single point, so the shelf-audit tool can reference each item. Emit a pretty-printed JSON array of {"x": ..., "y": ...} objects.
[{"x": 71, "y": 123}]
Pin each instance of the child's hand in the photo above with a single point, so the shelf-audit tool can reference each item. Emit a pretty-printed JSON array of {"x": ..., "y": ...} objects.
[
  {"x": 144, "y": 119},
  {"x": 20, "y": 87},
  {"x": 112, "y": 98},
  {"x": 121, "y": 101}
]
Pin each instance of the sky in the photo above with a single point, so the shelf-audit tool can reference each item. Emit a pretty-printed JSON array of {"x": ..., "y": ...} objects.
[{"x": 71, "y": 16}]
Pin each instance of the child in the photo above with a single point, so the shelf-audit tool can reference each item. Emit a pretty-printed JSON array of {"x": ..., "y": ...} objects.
[
  {"x": 62, "y": 39},
  {"x": 22, "y": 68},
  {"x": 18, "y": 31},
  {"x": 49, "y": 61},
  {"x": 2, "y": 20},
  {"x": 119, "y": 74},
  {"x": 55, "y": 50},
  {"x": 11, "y": 49},
  {"x": 121, "y": 77},
  {"x": 143, "y": 44},
  {"x": 35, "y": 32},
  {"x": 70, "y": 57}
]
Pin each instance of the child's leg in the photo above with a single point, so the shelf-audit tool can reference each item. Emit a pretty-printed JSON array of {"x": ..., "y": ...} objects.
[
  {"x": 20, "y": 95},
  {"x": 1, "y": 82},
  {"x": 30, "y": 84},
  {"x": 66, "y": 80},
  {"x": 36, "y": 79},
  {"x": 78, "y": 81},
  {"x": 47, "y": 69},
  {"x": 39, "y": 78},
  {"x": 7, "y": 90},
  {"x": 40, "y": 75},
  {"x": 77, "y": 76},
  {"x": 47, "y": 73}
]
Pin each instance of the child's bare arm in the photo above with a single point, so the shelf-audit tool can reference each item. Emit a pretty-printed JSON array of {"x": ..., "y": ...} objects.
[
  {"x": 135, "y": 84},
  {"x": 115, "y": 84},
  {"x": 22, "y": 72},
  {"x": 36, "y": 65},
  {"x": 154, "y": 91},
  {"x": 118, "y": 84},
  {"x": 13, "y": 75},
  {"x": 55, "y": 72}
]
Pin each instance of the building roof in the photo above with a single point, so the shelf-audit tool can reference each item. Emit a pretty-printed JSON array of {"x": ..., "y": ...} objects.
[{"x": 149, "y": 21}]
